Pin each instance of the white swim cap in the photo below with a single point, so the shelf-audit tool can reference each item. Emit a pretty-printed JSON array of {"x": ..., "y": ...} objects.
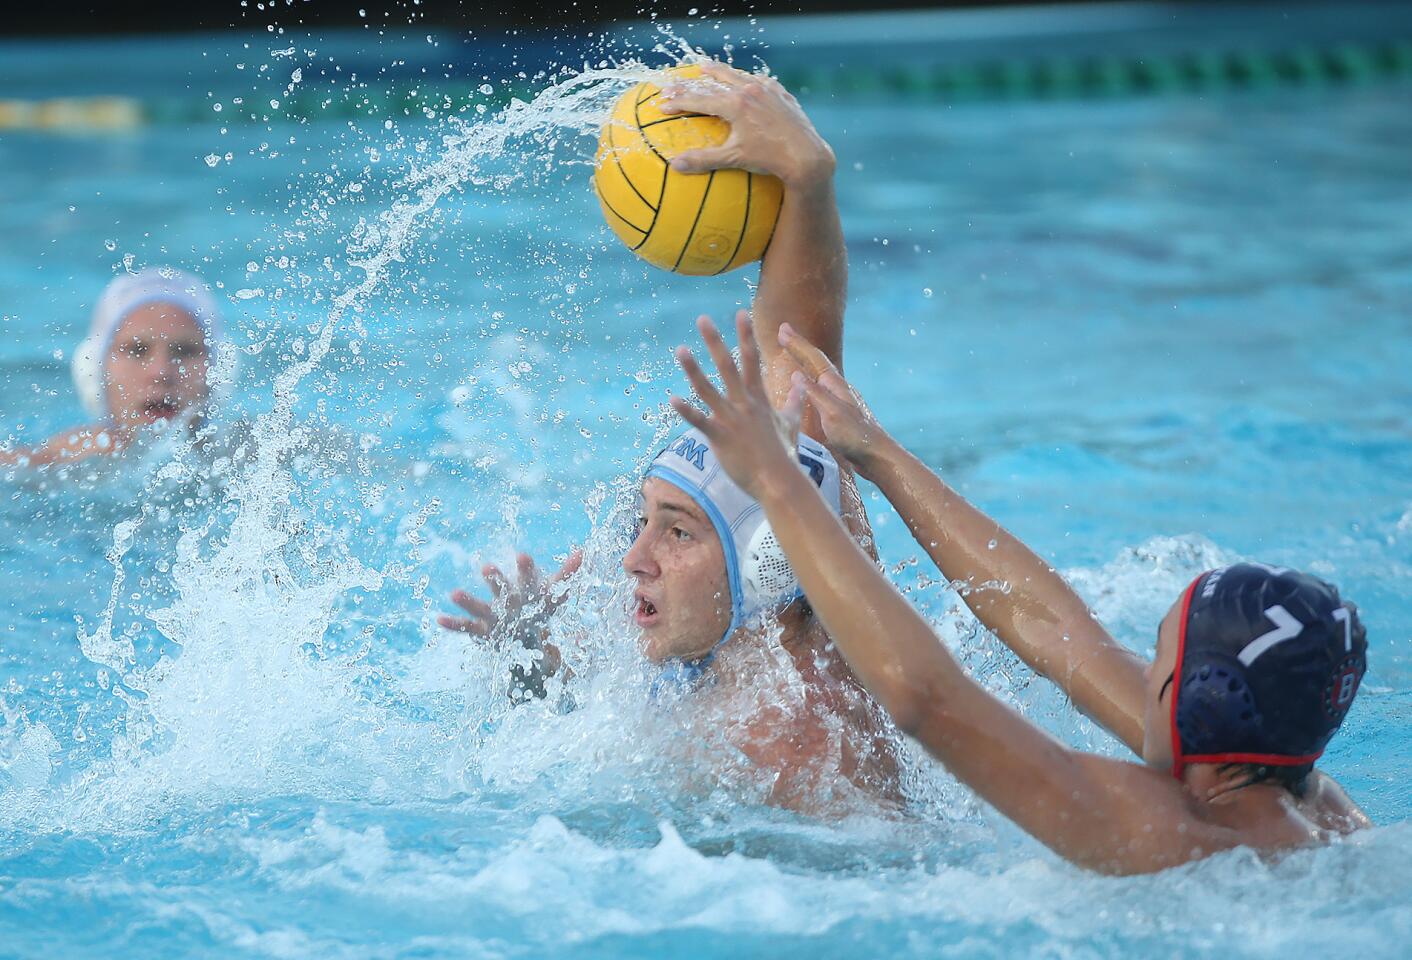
[
  {"x": 759, "y": 573},
  {"x": 120, "y": 298}
]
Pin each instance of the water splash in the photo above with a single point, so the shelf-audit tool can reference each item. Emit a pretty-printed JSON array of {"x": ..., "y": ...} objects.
[{"x": 254, "y": 698}]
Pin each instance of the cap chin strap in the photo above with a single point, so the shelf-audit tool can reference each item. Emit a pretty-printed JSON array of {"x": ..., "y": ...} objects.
[{"x": 682, "y": 674}]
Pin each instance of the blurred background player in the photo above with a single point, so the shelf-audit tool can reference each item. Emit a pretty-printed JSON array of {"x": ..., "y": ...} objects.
[{"x": 147, "y": 359}]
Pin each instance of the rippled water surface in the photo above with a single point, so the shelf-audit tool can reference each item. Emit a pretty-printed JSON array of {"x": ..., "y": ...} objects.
[{"x": 1150, "y": 336}]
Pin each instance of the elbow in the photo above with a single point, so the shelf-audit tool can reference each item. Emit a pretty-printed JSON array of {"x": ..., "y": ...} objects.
[{"x": 908, "y": 702}]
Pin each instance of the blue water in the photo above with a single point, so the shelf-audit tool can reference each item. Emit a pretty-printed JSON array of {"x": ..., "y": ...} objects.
[{"x": 1149, "y": 336}]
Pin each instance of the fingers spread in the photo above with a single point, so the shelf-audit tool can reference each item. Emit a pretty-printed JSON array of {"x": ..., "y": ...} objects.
[
  {"x": 692, "y": 415},
  {"x": 472, "y": 605},
  {"x": 707, "y": 158},
  {"x": 730, "y": 376},
  {"x": 528, "y": 572},
  {"x": 749, "y": 354},
  {"x": 724, "y": 73},
  {"x": 810, "y": 358},
  {"x": 470, "y": 625},
  {"x": 677, "y": 99},
  {"x": 570, "y": 567},
  {"x": 823, "y": 398},
  {"x": 700, "y": 384},
  {"x": 499, "y": 583},
  {"x": 793, "y": 409},
  {"x": 831, "y": 381}
]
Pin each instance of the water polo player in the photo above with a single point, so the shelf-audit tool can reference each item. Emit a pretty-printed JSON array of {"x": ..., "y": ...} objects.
[
  {"x": 1255, "y": 666},
  {"x": 146, "y": 359},
  {"x": 703, "y": 561}
]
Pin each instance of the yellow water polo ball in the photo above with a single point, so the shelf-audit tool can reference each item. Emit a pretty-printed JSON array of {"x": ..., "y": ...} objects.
[{"x": 692, "y": 223}]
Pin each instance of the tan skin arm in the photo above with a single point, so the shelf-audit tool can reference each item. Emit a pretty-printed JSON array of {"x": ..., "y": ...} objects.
[
  {"x": 804, "y": 277},
  {"x": 67, "y": 447},
  {"x": 1103, "y": 814},
  {"x": 1012, "y": 591}
]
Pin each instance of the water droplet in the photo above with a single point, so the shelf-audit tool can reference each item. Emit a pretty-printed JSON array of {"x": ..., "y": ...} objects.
[
  {"x": 111, "y": 244},
  {"x": 486, "y": 89},
  {"x": 217, "y": 107},
  {"x": 212, "y": 159},
  {"x": 992, "y": 545},
  {"x": 927, "y": 292}
]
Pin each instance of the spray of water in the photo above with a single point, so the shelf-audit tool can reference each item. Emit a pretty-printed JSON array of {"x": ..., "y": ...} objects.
[{"x": 253, "y": 700}]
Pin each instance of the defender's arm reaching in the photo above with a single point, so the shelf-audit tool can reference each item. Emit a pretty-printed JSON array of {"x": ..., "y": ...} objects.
[
  {"x": 1014, "y": 593},
  {"x": 1101, "y": 813}
]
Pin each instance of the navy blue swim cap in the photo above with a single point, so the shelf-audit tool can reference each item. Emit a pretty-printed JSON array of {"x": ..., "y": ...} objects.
[{"x": 1268, "y": 662}]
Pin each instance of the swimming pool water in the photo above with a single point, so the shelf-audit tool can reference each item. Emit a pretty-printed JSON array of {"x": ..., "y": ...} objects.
[{"x": 1149, "y": 336}]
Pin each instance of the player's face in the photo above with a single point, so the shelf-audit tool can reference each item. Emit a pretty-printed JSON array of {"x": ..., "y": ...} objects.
[
  {"x": 157, "y": 366},
  {"x": 682, "y": 602},
  {"x": 1157, "y": 718}
]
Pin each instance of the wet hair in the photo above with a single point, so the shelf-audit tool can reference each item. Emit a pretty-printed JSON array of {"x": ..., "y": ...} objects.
[{"x": 1293, "y": 779}]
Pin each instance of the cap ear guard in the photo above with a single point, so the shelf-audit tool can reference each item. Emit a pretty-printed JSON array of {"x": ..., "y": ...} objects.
[
  {"x": 765, "y": 571},
  {"x": 1268, "y": 662},
  {"x": 1215, "y": 706}
]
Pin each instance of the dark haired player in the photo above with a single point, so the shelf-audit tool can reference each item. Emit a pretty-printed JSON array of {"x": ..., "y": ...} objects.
[{"x": 1255, "y": 666}]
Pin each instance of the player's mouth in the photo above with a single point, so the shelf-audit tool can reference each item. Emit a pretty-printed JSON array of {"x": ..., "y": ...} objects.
[
  {"x": 646, "y": 614},
  {"x": 162, "y": 409}
]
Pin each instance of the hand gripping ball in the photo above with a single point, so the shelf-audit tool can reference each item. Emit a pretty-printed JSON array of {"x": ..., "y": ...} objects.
[{"x": 692, "y": 223}]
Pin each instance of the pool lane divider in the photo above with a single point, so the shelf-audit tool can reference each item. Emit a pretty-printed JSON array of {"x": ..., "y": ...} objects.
[{"x": 1037, "y": 78}]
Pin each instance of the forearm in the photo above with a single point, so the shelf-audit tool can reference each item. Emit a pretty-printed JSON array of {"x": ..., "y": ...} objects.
[
  {"x": 1016, "y": 594},
  {"x": 804, "y": 278},
  {"x": 1096, "y": 812},
  {"x": 889, "y": 645}
]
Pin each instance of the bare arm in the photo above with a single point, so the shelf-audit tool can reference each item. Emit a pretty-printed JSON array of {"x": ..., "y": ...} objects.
[
  {"x": 804, "y": 278},
  {"x": 1103, "y": 814},
  {"x": 1012, "y": 591},
  {"x": 67, "y": 447}
]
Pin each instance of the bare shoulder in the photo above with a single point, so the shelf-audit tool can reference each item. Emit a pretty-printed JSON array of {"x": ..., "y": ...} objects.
[{"x": 1327, "y": 804}]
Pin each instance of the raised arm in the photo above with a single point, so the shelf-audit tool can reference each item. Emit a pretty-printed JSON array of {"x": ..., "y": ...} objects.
[
  {"x": 1103, "y": 814},
  {"x": 804, "y": 278},
  {"x": 1015, "y": 593}
]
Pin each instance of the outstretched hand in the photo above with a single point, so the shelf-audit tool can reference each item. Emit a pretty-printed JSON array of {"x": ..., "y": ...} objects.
[
  {"x": 849, "y": 426},
  {"x": 770, "y": 132},
  {"x": 519, "y": 610},
  {"x": 753, "y": 441}
]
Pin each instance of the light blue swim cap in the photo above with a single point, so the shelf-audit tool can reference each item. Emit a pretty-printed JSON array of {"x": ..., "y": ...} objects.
[{"x": 759, "y": 573}]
